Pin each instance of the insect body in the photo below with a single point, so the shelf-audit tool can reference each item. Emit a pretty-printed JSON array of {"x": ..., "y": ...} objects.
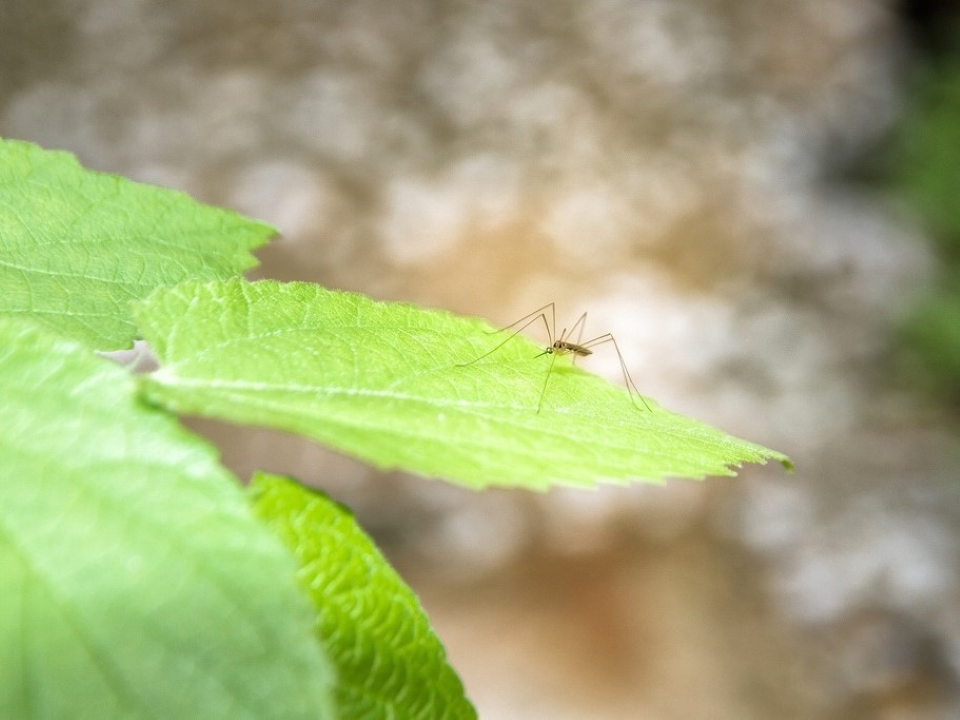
[{"x": 563, "y": 346}]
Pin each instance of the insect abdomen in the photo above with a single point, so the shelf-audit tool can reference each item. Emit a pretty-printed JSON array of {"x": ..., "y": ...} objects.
[{"x": 569, "y": 347}]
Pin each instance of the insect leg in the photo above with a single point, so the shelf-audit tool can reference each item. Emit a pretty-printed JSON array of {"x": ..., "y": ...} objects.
[
  {"x": 546, "y": 381},
  {"x": 582, "y": 322},
  {"x": 530, "y": 319},
  {"x": 631, "y": 387},
  {"x": 533, "y": 316}
]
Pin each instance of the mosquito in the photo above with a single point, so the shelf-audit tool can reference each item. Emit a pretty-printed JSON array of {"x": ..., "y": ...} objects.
[{"x": 562, "y": 345}]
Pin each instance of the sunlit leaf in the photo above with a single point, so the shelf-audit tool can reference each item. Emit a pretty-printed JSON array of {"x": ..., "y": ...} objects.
[
  {"x": 389, "y": 662},
  {"x": 135, "y": 581},
  {"x": 77, "y": 246},
  {"x": 387, "y": 382}
]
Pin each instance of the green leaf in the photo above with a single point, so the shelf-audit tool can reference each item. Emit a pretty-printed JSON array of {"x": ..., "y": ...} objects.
[
  {"x": 923, "y": 155},
  {"x": 386, "y": 382},
  {"x": 389, "y": 662},
  {"x": 77, "y": 246},
  {"x": 931, "y": 339},
  {"x": 135, "y": 581}
]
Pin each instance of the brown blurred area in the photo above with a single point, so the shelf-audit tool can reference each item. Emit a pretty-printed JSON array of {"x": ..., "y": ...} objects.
[{"x": 677, "y": 169}]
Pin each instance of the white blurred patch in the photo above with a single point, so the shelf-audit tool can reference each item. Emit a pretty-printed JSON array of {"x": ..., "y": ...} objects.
[
  {"x": 588, "y": 223},
  {"x": 868, "y": 556},
  {"x": 663, "y": 41},
  {"x": 663, "y": 513},
  {"x": 775, "y": 516},
  {"x": 476, "y": 537},
  {"x": 335, "y": 112},
  {"x": 472, "y": 77},
  {"x": 55, "y": 115},
  {"x": 424, "y": 217},
  {"x": 577, "y": 521},
  {"x": 286, "y": 194}
]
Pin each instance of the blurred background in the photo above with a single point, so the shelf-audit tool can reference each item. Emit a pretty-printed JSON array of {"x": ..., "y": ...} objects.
[{"x": 761, "y": 199}]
